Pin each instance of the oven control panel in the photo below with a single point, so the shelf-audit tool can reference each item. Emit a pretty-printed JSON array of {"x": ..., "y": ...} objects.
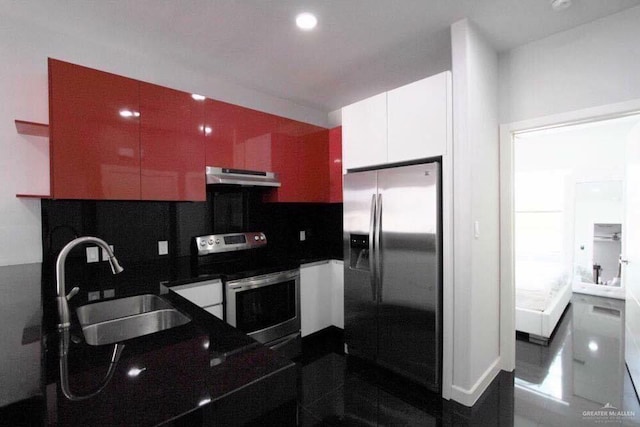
[{"x": 215, "y": 243}]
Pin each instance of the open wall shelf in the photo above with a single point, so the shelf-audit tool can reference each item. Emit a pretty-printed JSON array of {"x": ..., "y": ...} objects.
[
  {"x": 32, "y": 128},
  {"x": 34, "y": 196}
]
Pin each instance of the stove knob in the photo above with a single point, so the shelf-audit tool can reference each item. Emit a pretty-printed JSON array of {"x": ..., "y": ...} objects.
[
  {"x": 210, "y": 241},
  {"x": 203, "y": 243},
  {"x": 217, "y": 241},
  {"x": 256, "y": 238}
]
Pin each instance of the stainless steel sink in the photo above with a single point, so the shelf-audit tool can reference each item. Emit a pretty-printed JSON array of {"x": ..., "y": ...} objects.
[
  {"x": 117, "y": 320},
  {"x": 122, "y": 307},
  {"x": 124, "y": 328}
]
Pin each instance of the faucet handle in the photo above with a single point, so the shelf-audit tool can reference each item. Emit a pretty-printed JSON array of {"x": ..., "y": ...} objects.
[{"x": 73, "y": 291}]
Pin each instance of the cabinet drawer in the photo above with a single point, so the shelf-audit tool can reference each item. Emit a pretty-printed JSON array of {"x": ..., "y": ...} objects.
[{"x": 203, "y": 294}]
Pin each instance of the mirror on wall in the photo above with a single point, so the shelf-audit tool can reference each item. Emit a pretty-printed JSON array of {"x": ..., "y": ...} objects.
[
  {"x": 607, "y": 247},
  {"x": 598, "y": 232}
]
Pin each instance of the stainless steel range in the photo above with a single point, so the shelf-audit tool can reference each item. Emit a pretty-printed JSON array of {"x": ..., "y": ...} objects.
[{"x": 262, "y": 292}]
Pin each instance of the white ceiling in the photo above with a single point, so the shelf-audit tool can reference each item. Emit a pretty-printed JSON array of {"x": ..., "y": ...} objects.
[{"x": 360, "y": 47}]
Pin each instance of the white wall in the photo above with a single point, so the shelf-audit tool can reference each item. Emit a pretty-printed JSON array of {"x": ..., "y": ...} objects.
[
  {"x": 476, "y": 191},
  {"x": 24, "y": 49},
  {"x": 591, "y": 65}
]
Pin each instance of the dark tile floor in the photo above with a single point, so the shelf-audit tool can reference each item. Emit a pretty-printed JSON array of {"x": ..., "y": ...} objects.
[{"x": 581, "y": 370}]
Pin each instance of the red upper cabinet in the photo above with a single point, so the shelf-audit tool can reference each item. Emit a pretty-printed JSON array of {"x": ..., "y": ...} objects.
[
  {"x": 335, "y": 165},
  {"x": 94, "y": 126},
  {"x": 287, "y": 158},
  {"x": 239, "y": 137},
  {"x": 300, "y": 156},
  {"x": 257, "y": 135},
  {"x": 314, "y": 166},
  {"x": 220, "y": 135},
  {"x": 115, "y": 138},
  {"x": 172, "y": 150}
]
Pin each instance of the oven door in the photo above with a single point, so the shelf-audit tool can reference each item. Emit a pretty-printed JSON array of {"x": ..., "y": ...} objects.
[{"x": 265, "y": 307}]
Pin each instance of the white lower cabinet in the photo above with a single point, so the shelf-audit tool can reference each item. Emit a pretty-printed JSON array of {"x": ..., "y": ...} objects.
[
  {"x": 321, "y": 296},
  {"x": 337, "y": 296},
  {"x": 216, "y": 310},
  {"x": 207, "y": 295},
  {"x": 315, "y": 297}
]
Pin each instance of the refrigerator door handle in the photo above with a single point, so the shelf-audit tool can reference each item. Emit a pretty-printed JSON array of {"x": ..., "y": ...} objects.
[
  {"x": 378, "y": 247},
  {"x": 372, "y": 248}
]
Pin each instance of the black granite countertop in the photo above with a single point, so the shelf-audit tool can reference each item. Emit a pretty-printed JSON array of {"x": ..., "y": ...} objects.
[
  {"x": 20, "y": 332},
  {"x": 158, "y": 377}
]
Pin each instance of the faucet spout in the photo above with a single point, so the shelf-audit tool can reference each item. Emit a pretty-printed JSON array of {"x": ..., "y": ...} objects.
[
  {"x": 63, "y": 307},
  {"x": 116, "y": 268}
]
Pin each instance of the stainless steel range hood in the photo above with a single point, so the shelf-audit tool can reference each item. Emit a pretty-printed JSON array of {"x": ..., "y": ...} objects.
[{"x": 216, "y": 175}]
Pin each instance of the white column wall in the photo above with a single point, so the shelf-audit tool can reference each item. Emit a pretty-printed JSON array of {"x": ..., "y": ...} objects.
[{"x": 476, "y": 351}]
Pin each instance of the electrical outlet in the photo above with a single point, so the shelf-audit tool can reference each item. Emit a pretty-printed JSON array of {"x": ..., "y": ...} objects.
[
  {"x": 105, "y": 256},
  {"x": 303, "y": 235},
  {"x": 109, "y": 293},
  {"x": 93, "y": 255},
  {"x": 163, "y": 247},
  {"x": 93, "y": 296}
]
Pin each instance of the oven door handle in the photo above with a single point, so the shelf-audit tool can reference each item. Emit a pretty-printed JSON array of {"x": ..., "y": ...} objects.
[{"x": 265, "y": 280}]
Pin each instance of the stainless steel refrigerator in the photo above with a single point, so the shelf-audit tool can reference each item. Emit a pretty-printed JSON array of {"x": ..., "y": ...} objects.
[{"x": 392, "y": 269}]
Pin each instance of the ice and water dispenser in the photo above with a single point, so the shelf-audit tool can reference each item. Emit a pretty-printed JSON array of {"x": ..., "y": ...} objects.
[{"x": 359, "y": 251}]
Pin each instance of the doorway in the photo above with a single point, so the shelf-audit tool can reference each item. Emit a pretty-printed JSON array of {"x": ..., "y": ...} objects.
[
  {"x": 569, "y": 210},
  {"x": 579, "y": 186}
]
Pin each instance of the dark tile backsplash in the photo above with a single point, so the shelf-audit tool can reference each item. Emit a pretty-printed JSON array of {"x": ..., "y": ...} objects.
[
  {"x": 135, "y": 227},
  {"x": 322, "y": 223}
]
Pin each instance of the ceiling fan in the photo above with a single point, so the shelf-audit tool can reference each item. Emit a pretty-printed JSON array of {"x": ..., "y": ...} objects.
[{"x": 614, "y": 237}]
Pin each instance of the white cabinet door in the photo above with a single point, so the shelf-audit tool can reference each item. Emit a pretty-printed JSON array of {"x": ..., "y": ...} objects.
[
  {"x": 216, "y": 310},
  {"x": 364, "y": 133},
  {"x": 419, "y": 118},
  {"x": 203, "y": 294},
  {"x": 337, "y": 294},
  {"x": 315, "y": 297}
]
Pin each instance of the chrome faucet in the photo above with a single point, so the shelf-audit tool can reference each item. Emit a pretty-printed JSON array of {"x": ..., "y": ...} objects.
[{"x": 63, "y": 298}]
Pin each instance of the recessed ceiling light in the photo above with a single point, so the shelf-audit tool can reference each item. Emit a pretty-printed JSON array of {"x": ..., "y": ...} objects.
[
  {"x": 559, "y": 5},
  {"x": 593, "y": 346},
  {"x": 306, "y": 21}
]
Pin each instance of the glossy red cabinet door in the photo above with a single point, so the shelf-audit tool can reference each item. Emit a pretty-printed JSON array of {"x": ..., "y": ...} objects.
[
  {"x": 220, "y": 135},
  {"x": 239, "y": 137},
  {"x": 315, "y": 167},
  {"x": 301, "y": 158},
  {"x": 172, "y": 155},
  {"x": 257, "y": 134},
  {"x": 94, "y": 125},
  {"x": 287, "y": 153},
  {"x": 335, "y": 165}
]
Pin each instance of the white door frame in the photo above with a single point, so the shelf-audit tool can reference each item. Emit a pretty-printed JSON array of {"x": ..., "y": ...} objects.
[{"x": 507, "y": 132}]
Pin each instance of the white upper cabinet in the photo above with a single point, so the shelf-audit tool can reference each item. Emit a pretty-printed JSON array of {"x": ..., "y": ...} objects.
[
  {"x": 408, "y": 123},
  {"x": 364, "y": 132},
  {"x": 417, "y": 119}
]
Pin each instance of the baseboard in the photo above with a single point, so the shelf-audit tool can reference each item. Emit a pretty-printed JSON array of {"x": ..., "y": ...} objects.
[
  {"x": 468, "y": 397},
  {"x": 331, "y": 333}
]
